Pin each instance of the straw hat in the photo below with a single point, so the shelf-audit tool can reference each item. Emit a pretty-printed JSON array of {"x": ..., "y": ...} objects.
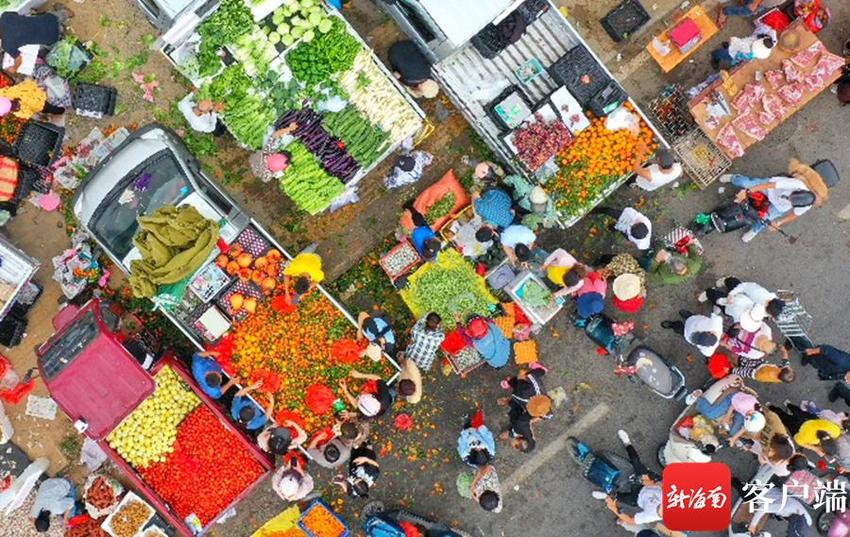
[
  {"x": 539, "y": 405},
  {"x": 626, "y": 286}
]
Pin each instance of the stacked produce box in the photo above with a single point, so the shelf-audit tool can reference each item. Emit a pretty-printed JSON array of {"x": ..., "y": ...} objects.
[
  {"x": 173, "y": 443},
  {"x": 303, "y": 63}
]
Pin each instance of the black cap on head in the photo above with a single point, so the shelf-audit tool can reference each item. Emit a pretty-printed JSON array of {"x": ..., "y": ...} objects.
[
  {"x": 639, "y": 230},
  {"x": 523, "y": 252},
  {"x": 828, "y": 444},
  {"x": 406, "y": 163},
  {"x": 665, "y": 158},
  {"x": 280, "y": 440},
  {"x": 42, "y": 522},
  {"x": 488, "y": 500},
  {"x": 302, "y": 284},
  {"x": 331, "y": 453},
  {"x": 247, "y": 413},
  {"x": 802, "y": 198},
  {"x": 213, "y": 379},
  {"x": 484, "y": 234},
  {"x": 708, "y": 449}
]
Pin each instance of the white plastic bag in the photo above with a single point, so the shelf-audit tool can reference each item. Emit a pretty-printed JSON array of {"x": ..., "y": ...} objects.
[
  {"x": 622, "y": 119},
  {"x": 91, "y": 455},
  {"x": 6, "y": 429}
]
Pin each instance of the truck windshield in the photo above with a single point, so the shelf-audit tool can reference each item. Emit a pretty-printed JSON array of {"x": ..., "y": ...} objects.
[
  {"x": 157, "y": 181},
  {"x": 76, "y": 338}
]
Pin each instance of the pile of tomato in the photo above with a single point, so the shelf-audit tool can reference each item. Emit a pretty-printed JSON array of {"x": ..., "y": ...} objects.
[{"x": 208, "y": 469}]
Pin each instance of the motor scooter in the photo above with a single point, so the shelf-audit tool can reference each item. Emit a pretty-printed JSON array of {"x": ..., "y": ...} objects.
[
  {"x": 608, "y": 471},
  {"x": 635, "y": 360},
  {"x": 733, "y": 215},
  {"x": 380, "y": 522}
]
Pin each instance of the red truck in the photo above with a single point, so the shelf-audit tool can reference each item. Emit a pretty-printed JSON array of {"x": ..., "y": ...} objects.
[{"x": 99, "y": 384}]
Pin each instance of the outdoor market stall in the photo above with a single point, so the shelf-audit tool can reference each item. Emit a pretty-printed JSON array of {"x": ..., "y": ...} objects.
[
  {"x": 760, "y": 95},
  {"x": 281, "y": 62}
]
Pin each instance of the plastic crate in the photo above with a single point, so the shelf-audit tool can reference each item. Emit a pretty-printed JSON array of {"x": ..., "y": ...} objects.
[
  {"x": 624, "y": 20},
  {"x": 490, "y": 108},
  {"x": 39, "y": 144},
  {"x": 571, "y": 69},
  {"x": 93, "y": 100},
  {"x": 320, "y": 504},
  {"x": 488, "y": 42}
]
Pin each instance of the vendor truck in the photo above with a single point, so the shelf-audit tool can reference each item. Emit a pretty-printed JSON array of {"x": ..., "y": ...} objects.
[
  {"x": 99, "y": 384},
  {"x": 504, "y": 62}
]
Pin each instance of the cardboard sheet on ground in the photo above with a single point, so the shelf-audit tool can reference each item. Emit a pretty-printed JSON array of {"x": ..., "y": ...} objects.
[
  {"x": 431, "y": 195},
  {"x": 746, "y": 74},
  {"x": 281, "y": 523}
]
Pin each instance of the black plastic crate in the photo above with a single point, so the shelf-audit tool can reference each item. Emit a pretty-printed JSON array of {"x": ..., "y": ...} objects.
[
  {"x": 95, "y": 100},
  {"x": 571, "y": 70},
  {"x": 531, "y": 9},
  {"x": 608, "y": 99},
  {"x": 624, "y": 20},
  {"x": 39, "y": 143},
  {"x": 488, "y": 42}
]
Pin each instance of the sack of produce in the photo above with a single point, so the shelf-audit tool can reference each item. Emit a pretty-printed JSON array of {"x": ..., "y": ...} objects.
[{"x": 101, "y": 495}]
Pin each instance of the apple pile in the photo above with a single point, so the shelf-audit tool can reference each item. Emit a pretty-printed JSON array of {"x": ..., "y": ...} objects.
[{"x": 262, "y": 271}]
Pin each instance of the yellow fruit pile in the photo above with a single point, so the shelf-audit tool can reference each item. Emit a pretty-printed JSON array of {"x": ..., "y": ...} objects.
[{"x": 148, "y": 434}]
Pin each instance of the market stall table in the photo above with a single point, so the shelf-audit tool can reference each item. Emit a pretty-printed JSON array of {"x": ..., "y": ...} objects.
[
  {"x": 672, "y": 59},
  {"x": 735, "y": 132}
]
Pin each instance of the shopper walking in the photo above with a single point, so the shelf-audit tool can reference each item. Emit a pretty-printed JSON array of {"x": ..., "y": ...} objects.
[
  {"x": 636, "y": 227},
  {"x": 699, "y": 330},
  {"x": 476, "y": 445}
]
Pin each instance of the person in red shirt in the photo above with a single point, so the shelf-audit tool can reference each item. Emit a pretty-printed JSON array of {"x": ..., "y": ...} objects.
[{"x": 628, "y": 294}]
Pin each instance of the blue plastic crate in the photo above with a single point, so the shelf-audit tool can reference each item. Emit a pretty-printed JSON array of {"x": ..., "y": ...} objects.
[{"x": 320, "y": 504}]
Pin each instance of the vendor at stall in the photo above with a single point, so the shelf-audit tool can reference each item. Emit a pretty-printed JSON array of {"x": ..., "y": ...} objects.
[
  {"x": 376, "y": 396},
  {"x": 489, "y": 341},
  {"x": 55, "y": 497},
  {"x": 270, "y": 163},
  {"x": 377, "y": 330},
  {"x": 246, "y": 412},
  {"x": 209, "y": 374},
  {"x": 278, "y": 439},
  {"x": 424, "y": 239},
  {"x": 202, "y": 116},
  {"x": 26, "y": 99},
  {"x": 425, "y": 339},
  {"x": 412, "y": 69},
  {"x": 494, "y": 206},
  {"x": 18, "y": 31},
  {"x": 757, "y": 46},
  {"x": 563, "y": 270},
  {"x": 654, "y": 175},
  {"x": 534, "y": 204},
  {"x": 306, "y": 264},
  {"x": 518, "y": 243}
]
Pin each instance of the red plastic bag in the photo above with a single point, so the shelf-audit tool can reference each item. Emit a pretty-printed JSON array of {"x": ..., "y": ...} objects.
[
  {"x": 285, "y": 414},
  {"x": 319, "y": 398},
  {"x": 719, "y": 365},
  {"x": 270, "y": 379},
  {"x": 410, "y": 530},
  {"x": 348, "y": 351},
  {"x": 453, "y": 342},
  {"x": 17, "y": 394}
]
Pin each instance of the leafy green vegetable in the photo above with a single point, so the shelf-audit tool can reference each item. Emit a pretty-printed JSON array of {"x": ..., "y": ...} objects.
[
  {"x": 314, "y": 61},
  {"x": 363, "y": 141},
  {"x": 232, "y": 20},
  {"x": 441, "y": 208},
  {"x": 449, "y": 286},
  {"x": 306, "y": 182},
  {"x": 247, "y": 115},
  {"x": 535, "y": 295}
]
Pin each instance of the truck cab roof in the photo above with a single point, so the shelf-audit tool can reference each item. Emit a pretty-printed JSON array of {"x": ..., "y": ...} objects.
[{"x": 89, "y": 374}]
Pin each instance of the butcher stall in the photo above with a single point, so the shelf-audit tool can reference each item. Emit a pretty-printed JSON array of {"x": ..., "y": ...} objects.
[{"x": 741, "y": 109}]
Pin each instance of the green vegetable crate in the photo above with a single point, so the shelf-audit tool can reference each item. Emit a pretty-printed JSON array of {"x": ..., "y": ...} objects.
[{"x": 527, "y": 284}]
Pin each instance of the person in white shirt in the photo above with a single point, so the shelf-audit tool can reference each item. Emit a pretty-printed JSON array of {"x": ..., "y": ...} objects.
[
  {"x": 787, "y": 199},
  {"x": 201, "y": 116},
  {"x": 663, "y": 171},
  {"x": 636, "y": 227},
  {"x": 517, "y": 242},
  {"x": 780, "y": 505},
  {"x": 700, "y": 331},
  {"x": 649, "y": 500},
  {"x": 736, "y": 297}
]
